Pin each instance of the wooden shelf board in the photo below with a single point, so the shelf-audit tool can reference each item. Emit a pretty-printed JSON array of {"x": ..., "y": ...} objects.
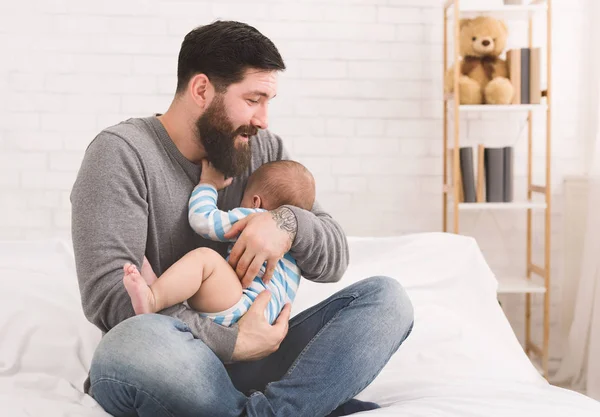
[
  {"x": 502, "y": 12},
  {"x": 493, "y": 107},
  {"x": 520, "y": 285},
  {"x": 517, "y": 205},
  {"x": 501, "y": 108}
]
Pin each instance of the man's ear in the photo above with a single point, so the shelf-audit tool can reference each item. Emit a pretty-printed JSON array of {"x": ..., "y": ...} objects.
[
  {"x": 256, "y": 201},
  {"x": 201, "y": 90}
]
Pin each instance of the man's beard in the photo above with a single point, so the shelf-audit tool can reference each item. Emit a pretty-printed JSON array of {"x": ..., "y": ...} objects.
[{"x": 218, "y": 137}]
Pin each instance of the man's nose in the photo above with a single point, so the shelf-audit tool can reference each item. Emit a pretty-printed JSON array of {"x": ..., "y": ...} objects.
[{"x": 261, "y": 118}]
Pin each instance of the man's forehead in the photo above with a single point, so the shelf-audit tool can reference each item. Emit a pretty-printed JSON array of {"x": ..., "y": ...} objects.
[{"x": 260, "y": 82}]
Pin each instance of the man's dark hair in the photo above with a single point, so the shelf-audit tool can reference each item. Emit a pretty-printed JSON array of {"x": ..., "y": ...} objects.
[{"x": 223, "y": 51}]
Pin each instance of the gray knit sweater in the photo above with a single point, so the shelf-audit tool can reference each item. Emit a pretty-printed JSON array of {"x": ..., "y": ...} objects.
[{"x": 130, "y": 199}]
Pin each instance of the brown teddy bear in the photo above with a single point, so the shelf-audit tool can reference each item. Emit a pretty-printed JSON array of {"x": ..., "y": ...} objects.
[{"x": 483, "y": 75}]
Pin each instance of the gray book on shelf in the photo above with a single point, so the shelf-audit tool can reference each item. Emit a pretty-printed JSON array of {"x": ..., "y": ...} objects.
[
  {"x": 467, "y": 172},
  {"x": 494, "y": 174},
  {"x": 525, "y": 75},
  {"x": 508, "y": 174}
]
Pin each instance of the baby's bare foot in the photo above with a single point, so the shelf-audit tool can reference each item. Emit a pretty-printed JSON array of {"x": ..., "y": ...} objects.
[
  {"x": 140, "y": 293},
  {"x": 147, "y": 272}
]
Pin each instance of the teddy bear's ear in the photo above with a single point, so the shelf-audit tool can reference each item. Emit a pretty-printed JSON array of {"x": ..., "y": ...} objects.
[
  {"x": 464, "y": 22},
  {"x": 503, "y": 24}
]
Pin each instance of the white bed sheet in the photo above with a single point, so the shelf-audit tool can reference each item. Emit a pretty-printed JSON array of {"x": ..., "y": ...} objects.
[{"x": 462, "y": 358}]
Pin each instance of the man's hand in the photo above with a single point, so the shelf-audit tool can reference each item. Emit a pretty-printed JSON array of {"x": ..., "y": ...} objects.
[
  {"x": 210, "y": 175},
  {"x": 264, "y": 237},
  {"x": 256, "y": 337}
]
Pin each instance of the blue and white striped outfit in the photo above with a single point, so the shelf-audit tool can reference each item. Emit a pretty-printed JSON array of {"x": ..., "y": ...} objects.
[{"x": 211, "y": 223}]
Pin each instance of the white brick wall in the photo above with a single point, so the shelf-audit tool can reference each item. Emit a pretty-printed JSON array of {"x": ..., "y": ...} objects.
[{"x": 359, "y": 105}]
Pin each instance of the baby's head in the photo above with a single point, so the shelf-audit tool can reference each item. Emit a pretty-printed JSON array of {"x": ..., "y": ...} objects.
[{"x": 278, "y": 183}]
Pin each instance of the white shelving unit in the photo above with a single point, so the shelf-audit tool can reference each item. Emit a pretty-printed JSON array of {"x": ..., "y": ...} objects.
[
  {"x": 463, "y": 108},
  {"x": 536, "y": 278},
  {"x": 514, "y": 12},
  {"x": 500, "y": 108},
  {"x": 517, "y": 205},
  {"x": 521, "y": 285}
]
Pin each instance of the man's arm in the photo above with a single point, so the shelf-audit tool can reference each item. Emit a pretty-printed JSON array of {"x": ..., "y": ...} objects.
[
  {"x": 109, "y": 228},
  {"x": 319, "y": 245}
]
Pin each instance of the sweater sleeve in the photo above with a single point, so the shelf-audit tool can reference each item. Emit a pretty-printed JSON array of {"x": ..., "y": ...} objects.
[
  {"x": 320, "y": 247},
  {"x": 207, "y": 220},
  {"x": 109, "y": 228}
]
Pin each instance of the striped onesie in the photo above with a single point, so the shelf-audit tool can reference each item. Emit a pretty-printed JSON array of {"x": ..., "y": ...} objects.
[{"x": 211, "y": 223}]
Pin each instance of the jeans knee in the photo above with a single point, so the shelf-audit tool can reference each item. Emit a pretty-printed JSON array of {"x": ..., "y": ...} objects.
[
  {"x": 135, "y": 345},
  {"x": 396, "y": 307},
  {"x": 155, "y": 359},
  {"x": 149, "y": 350}
]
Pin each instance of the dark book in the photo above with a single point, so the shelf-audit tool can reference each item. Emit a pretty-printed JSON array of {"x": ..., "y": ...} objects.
[
  {"x": 468, "y": 174},
  {"x": 494, "y": 174},
  {"x": 525, "y": 75},
  {"x": 508, "y": 174}
]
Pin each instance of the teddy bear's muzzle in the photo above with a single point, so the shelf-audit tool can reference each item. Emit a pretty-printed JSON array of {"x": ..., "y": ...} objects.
[{"x": 484, "y": 46}]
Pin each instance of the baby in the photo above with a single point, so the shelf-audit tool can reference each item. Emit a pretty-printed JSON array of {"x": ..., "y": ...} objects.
[{"x": 202, "y": 277}]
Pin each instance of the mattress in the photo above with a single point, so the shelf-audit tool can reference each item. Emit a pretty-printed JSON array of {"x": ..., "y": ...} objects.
[{"x": 462, "y": 358}]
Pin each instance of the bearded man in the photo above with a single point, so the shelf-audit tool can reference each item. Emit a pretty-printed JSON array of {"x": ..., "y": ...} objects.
[{"x": 130, "y": 200}]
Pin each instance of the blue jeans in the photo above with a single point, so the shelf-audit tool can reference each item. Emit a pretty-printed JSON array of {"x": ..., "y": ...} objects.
[{"x": 151, "y": 365}]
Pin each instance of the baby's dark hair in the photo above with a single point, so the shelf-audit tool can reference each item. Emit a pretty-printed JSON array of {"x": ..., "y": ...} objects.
[{"x": 283, "y": 182}]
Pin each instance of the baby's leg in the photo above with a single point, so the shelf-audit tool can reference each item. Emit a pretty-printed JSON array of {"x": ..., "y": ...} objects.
[
  {"x": 137, "y": 286},
  {"x": 147, "y": 272},
  {"x": 203, "y": 277},
  {"x": 142, "y": 298},
  {"x": 183, "y": 281},
  {"x": 221, "y": 288}
]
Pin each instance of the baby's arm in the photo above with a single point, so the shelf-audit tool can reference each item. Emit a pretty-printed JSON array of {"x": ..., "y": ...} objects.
[
  {"x": 204, "y": 216},
  {"x": 206, "y": 219}
]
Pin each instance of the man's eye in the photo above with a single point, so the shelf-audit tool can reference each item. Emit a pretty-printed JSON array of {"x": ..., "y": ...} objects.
[{"x": 253, "y": 101}]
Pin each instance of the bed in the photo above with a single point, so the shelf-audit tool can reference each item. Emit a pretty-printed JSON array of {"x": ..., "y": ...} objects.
[{"x": 462, "y": 358}]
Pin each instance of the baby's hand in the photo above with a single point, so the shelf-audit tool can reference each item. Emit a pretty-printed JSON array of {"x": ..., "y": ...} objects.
[{"x": 210, "y": 175}]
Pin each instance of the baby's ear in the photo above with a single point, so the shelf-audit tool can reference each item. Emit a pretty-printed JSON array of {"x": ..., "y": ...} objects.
[
  {"x": 464, "y": 22},
  {"x": 256, "y": 202}
]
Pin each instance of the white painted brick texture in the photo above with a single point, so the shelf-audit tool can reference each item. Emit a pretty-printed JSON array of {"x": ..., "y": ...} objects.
[{"x": 360, "y": 105}]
